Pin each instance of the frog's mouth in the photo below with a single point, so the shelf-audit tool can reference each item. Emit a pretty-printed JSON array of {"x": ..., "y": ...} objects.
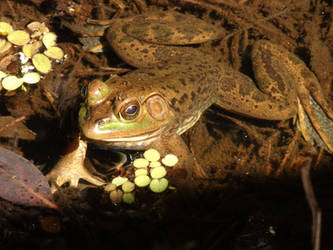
[
  {"x": 136, "y": 138},
  {"x": 135, "y": 142},
  {"x": 132, "y": 138}
]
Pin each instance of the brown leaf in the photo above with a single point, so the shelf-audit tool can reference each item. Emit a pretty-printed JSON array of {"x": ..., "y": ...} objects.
[
  {"x": 22, "y": 183},
  {"x": 17, "y": 129}
]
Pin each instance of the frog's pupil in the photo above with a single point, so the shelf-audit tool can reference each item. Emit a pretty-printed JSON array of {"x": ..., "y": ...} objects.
[{"x": 131, "y": 110}]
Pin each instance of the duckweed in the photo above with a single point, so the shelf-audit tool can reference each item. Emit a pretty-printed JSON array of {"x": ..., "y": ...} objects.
[
  {"x": 118, "y": 181},
  {"x": 158, "y": 185},
  {"x": 37, "y": 28},
  {"x": 142, "y": 180},
  {"x": 170, "y": 160},
  {"x": 41, "y": 63},
  {"x": 32, "y": 48},
  {"x": 158, "y": 172},
  {"x": 2, "y": 74},
  {"x": 31, "y": 43},
  {"x": 140, "y": 163},
  {"x": 18, "y": 37},
  {"x": 11, "y": 82},
  {"x": 151, "y": 155},
  {"x": 141, "y": 171},
  {"x": 5, "y": 28},
  {"x": 4, "y": 46},
  {"x": 31, "y": 77},
  {"x": 110, "y": 187},
  {"x": 128, "y": 186},
  {"x": 128, "y": 198},
  {"x": 116, "y": 196},
  {"x": 54, "y": 53},
  {"x": 154, "y": 164},
  {"x": 49, "y": 39}
]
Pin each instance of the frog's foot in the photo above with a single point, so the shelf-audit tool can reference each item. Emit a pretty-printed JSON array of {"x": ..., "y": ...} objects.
[
  {"x": 70, "y": 169},
  {"x": 315, "y": 115},
  {"x": 315, "y": 125}
]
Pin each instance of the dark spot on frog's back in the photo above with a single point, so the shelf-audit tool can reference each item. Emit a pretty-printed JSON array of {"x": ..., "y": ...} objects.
[
  {"x": 228, "y": 84},
  {"x": 161, "y": 34},
  {"x": 126, "y": 39},
  {"x": 173, "y": 101},
  {"x": 145, "y": 51},
  {"x": 192, "y": 96},
  {"x": 183, "y": 98},
  {"x": 182, "y": 81},
  {"x": 266, "y": 57},
  {"x": 258, "y": 97},
  {"x": 245, "y": 89}
]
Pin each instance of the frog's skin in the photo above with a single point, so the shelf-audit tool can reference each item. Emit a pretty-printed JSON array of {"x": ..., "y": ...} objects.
[{"x": 153, "y": 105}]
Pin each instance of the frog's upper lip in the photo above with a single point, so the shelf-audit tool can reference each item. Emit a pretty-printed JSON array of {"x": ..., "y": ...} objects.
[
  {"x": 138, "y": 138},
  {"x": 135, "y": 138}
]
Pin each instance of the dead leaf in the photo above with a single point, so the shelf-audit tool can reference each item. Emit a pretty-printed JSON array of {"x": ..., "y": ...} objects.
[
  {"x": 22, "y": 183},
  {"x": 18, "y": 129}
]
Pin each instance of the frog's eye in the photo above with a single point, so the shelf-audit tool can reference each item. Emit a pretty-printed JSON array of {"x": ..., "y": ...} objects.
[{"x": 130, "y": 110}]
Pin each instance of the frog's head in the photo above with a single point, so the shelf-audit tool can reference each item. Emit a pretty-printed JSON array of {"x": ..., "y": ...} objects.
[{"x": 120, "y": 114}]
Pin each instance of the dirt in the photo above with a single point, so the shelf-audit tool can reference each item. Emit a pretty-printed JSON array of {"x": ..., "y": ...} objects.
[{"x": 254, "y": 197}]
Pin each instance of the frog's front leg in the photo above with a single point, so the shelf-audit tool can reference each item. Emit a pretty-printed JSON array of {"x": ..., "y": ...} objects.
[
  {"x": 174, "y": 144},
  {"x": 70, "y": 168}
]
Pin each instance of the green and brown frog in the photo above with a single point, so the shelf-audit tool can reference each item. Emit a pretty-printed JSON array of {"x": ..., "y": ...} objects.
[{"x": 173, "y": 84}]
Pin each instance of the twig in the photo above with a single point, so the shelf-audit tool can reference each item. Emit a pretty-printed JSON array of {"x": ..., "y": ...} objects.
[
  {"x": 290, "y": 152},
  {"x": 315, "y": 210},
  {"x": 11, "y": 124},
  {"x": 13, "y": 12}
]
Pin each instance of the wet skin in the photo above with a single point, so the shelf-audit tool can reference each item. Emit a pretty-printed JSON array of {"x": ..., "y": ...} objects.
[{"x": 154, "y": 104}]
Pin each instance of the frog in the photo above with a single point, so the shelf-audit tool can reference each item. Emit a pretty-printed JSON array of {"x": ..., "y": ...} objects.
[{"x": 174, "y": 83}]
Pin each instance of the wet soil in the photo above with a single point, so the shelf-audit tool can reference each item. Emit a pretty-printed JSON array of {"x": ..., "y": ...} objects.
[{"x": 254, "y": 197}]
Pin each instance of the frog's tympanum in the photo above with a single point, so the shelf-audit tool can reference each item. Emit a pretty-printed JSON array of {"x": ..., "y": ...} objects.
[{"x": 153, "y": 105}]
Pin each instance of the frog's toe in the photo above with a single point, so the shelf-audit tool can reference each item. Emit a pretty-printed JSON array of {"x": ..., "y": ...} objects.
[
  {"x": 92, "y": 179},
  {"x": 58, "y": 178},
  {"x": 58, "y": 181}
]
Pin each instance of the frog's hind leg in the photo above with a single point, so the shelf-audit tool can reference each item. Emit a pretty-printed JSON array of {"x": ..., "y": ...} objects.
[
  {"x": 151, "y": 39},
  {"x": 311, "y": 97},
  {"x": 318, "y": 115},
  {"x": 280, "y": 72}
]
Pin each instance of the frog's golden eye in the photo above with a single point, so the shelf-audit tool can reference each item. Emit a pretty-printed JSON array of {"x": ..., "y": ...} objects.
[{"x": 130, "y": 110}]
